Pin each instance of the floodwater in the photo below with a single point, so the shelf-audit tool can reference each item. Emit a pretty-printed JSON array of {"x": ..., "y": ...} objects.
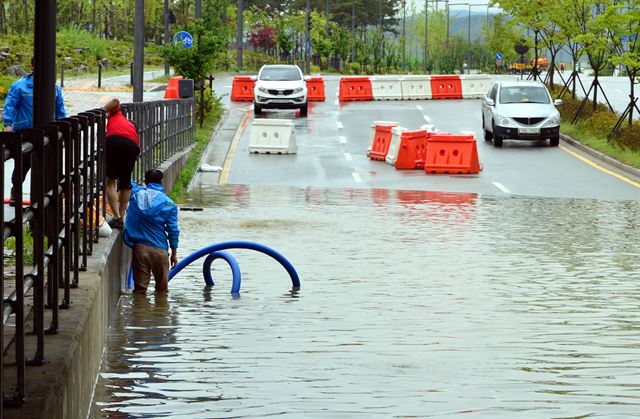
[{"x": 412, "y": 304}]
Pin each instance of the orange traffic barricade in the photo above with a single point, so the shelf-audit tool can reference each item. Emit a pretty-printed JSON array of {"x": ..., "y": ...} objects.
[
  {"x": 315, "y": 88},
  {"x": 172, "y": 88},
  {"x": 355, "y": 88},
  {"x": 381, "y": 142},
  {"x": 446, "y": 87},
  {"x": 451, "y": 153},
  {"x": 412, "y": 150},
  {"x": 242, "y": 89}
]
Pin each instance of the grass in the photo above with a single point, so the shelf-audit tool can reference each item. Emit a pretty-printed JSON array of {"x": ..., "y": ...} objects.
[
  {"x": 10, "y": 243},
  {"x": 601, "y": 144},
  {"x": 161, "y": 79},
  {"x": 203, "y": 136}
]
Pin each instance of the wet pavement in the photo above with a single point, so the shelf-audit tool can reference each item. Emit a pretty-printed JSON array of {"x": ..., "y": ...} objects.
[{"x": 413, "y": 304}]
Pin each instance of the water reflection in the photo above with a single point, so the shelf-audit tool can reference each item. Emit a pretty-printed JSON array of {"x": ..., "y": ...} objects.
[{"x": 413, "y": 304}]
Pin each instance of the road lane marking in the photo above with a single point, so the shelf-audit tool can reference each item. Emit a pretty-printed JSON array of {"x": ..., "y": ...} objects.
[
  {"x": 224, "y": 175},
  {"x": 419, "y": 107},
  {"x": 619, "y": 91},
  {"x": 602, "y": 169},
  {"x": 356, "y": 177},
  {"x": 348, "y": 156},
  {"x": 337, "y": 102},
  {"x": 501, "y": 187},
  {"x": 426, "y": 118},
  {"x": 342, "y": 139},
  {"x": 339, "y": 125}
]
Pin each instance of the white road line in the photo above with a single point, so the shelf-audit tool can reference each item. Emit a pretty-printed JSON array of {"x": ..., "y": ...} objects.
[
  {"x": 337, "y": 102},
  {"x": 342, "y": 139},
  {"x": 356, "y": 177},
  {"x": 619, "y": 91},
  {"x": 426, "y": 118},
  {"x": 501, "y": 187},
  {"x": 339, "y": 125},
  {"x": 348, "y": 156},
  {"x": 419, "y": 107}
]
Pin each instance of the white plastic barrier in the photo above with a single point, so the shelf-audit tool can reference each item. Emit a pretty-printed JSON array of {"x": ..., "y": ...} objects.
[
  {"x": 394, "y": 147},
  {"x": 276, "y": 136},
  {"x": 386, "y": 87},
  {"x": 475, "y": 86},
  {"x": 429, "y": 127},
  {"x": 416, "y": 87},
  {"x": 373, "y": 132}
]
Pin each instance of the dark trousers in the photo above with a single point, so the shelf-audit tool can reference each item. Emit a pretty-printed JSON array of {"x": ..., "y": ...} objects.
[{"x": 17, "y": 177}]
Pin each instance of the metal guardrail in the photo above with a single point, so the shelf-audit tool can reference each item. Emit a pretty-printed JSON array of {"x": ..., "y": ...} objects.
[{"x": 67, "y": 188}]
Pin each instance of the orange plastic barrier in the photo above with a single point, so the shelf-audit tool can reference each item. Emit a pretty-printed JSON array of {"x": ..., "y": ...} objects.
[
  {"x": 451, "y": 153},
  {"x": 355, "y": 88},
  {"x": 172, "y": 88},
  {"x": 413, "y": 150},
  {"x": 315, "y": 87},
  {"x": 446, "y": 87},
  {"x": 242, "y": 89},
  {"x": 381, "y": 142}
]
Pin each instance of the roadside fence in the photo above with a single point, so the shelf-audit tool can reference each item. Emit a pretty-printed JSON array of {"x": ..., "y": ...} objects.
[{"x": 67, "y": 192}]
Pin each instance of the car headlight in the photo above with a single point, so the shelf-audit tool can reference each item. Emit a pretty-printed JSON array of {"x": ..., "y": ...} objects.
[
  {"x": 298, "y": 90},
  {"x": 554, "y": 121},
  {"x": 504, "y": 121},
  {"x": 263, "y": 90}
]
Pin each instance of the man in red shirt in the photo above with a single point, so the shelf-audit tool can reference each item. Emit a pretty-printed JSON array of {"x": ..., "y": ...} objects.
[{"x": 122, "y": 150}]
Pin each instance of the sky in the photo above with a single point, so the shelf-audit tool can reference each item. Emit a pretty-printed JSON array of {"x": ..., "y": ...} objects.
[{"x": 420, "y": 4}]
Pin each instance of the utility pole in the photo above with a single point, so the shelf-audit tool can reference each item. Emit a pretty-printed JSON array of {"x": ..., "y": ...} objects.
[
  {"x": 307, "y": 44},
  {"x": 404, "y": 32},
  {"x": 353, "y": 30},
  {"x": 327, "y": 14},
  {"x": 469, "y": 43},
  {"x": 166, "y": 35},
  {"x": 198, "y": 9},
  {"x": 138, "y": 51},
  {"x": 426, "y": 34},
  {"x": 240, "y": 31}
]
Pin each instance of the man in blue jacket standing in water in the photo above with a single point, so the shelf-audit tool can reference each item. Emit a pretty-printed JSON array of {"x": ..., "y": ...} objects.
[{"x": 151, "y": 222}]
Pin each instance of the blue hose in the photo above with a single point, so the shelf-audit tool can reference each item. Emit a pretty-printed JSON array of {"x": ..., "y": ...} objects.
[{"x": 214, "y": 252}]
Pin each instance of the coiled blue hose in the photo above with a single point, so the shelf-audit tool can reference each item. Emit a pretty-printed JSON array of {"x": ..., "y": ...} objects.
[{"x": 214, "y": 251}]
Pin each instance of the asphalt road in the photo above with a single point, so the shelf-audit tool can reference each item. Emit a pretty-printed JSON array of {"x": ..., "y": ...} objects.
[{"x": 332, "y": 144}]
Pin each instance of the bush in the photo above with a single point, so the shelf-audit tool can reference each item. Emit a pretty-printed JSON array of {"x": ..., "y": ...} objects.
[
  {"x": 5, "y": 82},
  {"x": 354, "y": 68},
  {"x": 600, "y": 123},
  {"x": 629, "y": 138}
]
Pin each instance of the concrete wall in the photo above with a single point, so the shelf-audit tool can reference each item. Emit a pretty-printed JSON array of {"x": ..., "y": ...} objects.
[{"x": 63, "y": 387}]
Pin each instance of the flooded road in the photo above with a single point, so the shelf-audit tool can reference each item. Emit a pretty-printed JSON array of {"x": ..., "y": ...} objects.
[{"x": 413, "y": 304}]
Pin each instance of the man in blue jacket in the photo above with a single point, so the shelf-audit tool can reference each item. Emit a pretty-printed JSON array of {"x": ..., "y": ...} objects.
[
  {"x": 18, "y": 115},
  {"x": 151, "y": 222}
]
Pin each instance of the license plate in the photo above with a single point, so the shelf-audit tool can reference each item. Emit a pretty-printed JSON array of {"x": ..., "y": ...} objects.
[
  {"x": 280, "y": 100},
  {"x": 528, "y": 131}
]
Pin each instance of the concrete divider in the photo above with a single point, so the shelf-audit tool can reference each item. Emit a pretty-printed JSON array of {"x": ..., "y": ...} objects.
[
  {"x": 275, "y": 136},
  {"x": 386, "y": 88},
  {"x": 416, "y": 87},
  {"x": 392, "y": 154},
  {"x": 475, "y": 86}
]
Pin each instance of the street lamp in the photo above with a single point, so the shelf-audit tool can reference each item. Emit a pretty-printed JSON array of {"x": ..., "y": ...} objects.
[
  {"x": 426, "y": 29},
  {"x": 458, "y": 4},
  {"x": 469, "y": 36}
]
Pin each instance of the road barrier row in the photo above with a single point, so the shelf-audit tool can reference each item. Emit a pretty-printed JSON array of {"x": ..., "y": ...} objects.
[
  {"x": 413, "y": 87},
  {"x": 428, "y": 149},
  {"x": 242, "y": 89}
]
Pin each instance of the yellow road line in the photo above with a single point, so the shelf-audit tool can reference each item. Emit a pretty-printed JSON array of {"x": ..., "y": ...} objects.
[
  {"x": 224, "y": 176},
  {"x": 602, "y": 169}
]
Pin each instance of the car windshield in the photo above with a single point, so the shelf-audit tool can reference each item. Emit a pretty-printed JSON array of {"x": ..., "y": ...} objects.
[
  {"x": 280, "y": 74},
  {"x": 523, "y": 94}
]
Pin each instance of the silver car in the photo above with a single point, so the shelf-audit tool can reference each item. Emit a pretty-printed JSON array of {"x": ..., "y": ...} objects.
[{"x": 520, "y": 110}]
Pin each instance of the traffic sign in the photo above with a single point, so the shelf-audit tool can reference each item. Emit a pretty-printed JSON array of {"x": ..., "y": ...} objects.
[
  {"x": 183, "y": 38},
  {"x": 498, "y": 56}
]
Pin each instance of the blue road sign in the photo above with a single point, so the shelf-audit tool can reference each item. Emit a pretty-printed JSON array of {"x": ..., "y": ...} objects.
[
  {"x": 183, "y": 38},
  {"x": 498, "y": 56}
]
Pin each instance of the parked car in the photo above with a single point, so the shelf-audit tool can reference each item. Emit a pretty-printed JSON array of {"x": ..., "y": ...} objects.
[
  {"x": 280, "y": 87},
  {"x": 520, "y": 110}
]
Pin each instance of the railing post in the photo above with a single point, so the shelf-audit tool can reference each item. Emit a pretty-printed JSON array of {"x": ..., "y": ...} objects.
[
  {"x": 62, "y": 75},
  {"x": 99, "y": 74}
]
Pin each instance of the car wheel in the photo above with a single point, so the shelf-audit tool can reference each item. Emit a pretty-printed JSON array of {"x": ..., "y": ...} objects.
[
  {"x": 554, "y": 141},
  {"x": 257, "y": 109},
  {"x": 497, "y": 140},
  {"x": 304, "y": 109},
  {"x": 488, "y": 136}
]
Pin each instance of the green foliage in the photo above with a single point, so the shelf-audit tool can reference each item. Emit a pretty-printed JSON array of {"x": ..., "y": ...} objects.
[
  {"x": 629, "y": 138},
  {"x": 5, "y": 83},
  {"x": 203, "y": 136},
  {"x": 196, "y": 62},
  {"x": 208, "y": 103}
]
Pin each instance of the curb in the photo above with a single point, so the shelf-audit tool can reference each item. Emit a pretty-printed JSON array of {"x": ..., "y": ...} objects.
[{"x": 594, "y": 153}]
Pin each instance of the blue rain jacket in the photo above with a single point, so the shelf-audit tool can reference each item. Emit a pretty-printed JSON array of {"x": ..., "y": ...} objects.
[
  {"x": 18, "y": 107},
  {"x": 152, "y": 218}
]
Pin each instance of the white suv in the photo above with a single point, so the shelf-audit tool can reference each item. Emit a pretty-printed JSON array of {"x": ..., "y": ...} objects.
[{"x": 280, "y": 87}]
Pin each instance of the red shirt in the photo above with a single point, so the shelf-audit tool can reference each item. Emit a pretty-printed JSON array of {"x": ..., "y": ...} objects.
[{"x": 118, "y": 125}]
